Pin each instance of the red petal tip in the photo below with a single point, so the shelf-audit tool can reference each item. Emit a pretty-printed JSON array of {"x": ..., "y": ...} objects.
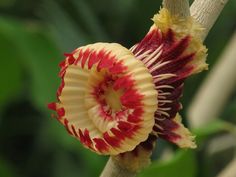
[{"x": 52, "y": 106}]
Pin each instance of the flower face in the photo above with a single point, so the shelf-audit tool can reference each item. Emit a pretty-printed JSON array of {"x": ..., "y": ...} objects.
[
  {"x": 107, "y": 98},
  {"x": 112, "y": 99}
]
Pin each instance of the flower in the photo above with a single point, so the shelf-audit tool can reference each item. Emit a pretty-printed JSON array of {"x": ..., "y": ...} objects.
[
  {"x": 106, "y": 99},
  {"x": 113, "y": 99}
]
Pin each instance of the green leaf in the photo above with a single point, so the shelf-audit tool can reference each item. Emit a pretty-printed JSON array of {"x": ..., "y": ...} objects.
[
  {"x": 11, "y": 70},
  {"x": 183, "y": 164},
  {"x": 229, "y": 112},
  {"x": 212, "y": 128},
  {"x": 65, "y": 30},
  {"x": 43, "y": 68},
  {"x": 6, "y": 170},
  {"x": 39, "y": 56},
  {"x": 90, "y": 19},
  {"x": 60, "y": 141}
]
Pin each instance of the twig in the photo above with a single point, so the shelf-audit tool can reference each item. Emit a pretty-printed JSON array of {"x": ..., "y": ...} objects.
[
  {"x": 230, "y": 170},
  {"x": 177, "y": 7},
  {"x": 206, "y": 13},
  {"x": 216, "y": 89},
  {"x": 113, "y": 169},
  {"x": 220, "y": 144}
]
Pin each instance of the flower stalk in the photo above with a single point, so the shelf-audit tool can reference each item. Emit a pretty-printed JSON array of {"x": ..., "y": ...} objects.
[{"x": 114, "y": 169}]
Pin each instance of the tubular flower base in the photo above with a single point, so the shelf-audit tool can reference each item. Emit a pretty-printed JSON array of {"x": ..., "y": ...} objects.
[{"x": 113, "y": 99}]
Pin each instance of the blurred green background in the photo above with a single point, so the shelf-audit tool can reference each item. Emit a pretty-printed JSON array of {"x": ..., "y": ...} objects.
[{"x": 33, "y": 37}]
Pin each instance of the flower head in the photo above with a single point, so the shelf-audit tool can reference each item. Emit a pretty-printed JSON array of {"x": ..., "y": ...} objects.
[
  {"x": 113, "y": 99},
  {"x": 106, "y": 99}
]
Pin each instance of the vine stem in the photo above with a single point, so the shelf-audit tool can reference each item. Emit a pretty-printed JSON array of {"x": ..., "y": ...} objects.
[
  {"x": 177, "y": 7},
  {"x": 206, "y": 13},
  {"x": 114, "y": 169},
  {"x": 230, "y": 170}
]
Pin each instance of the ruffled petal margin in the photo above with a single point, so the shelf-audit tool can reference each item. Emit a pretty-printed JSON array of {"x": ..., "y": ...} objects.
[{"x": 106, "y": 99}]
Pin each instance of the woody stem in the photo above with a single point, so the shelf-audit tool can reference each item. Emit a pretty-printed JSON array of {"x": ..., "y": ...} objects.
[
  {"x": 113, "y": 169},
  {"x": 206, "y": 13},
  {"x": 177, "y": 7}
]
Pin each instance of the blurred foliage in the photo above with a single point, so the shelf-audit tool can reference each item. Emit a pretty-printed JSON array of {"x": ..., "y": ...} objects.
[
  {"x": 176, "y": 166},
  {"x": 33, "y": 37}
]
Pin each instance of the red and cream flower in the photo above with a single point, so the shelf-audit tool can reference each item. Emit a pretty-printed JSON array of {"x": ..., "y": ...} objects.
[
  {"x": 106, "y": 99},
  {"x": 112, "y": 99}
]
